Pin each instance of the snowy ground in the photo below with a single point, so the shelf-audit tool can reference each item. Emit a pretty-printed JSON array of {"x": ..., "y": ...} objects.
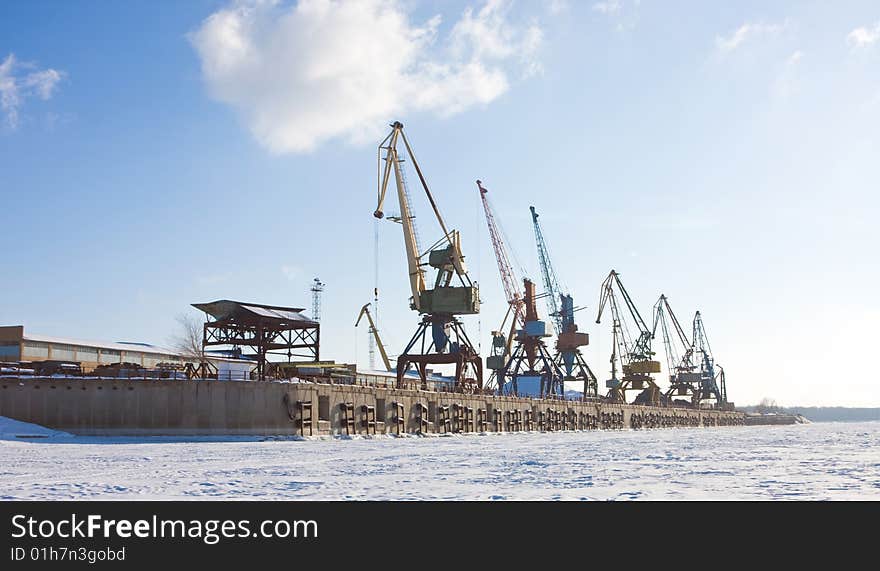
[{"x": 816, "y": 461}]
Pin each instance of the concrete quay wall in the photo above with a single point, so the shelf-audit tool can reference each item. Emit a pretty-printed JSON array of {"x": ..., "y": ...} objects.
[{"x": 132, "y": 407}]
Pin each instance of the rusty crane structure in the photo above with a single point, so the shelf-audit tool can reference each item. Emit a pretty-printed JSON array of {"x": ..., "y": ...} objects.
[{"x": 530, "y": 361}]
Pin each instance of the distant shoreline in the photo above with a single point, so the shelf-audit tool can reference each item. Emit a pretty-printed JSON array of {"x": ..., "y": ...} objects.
[{"x": 824, "y": 413}]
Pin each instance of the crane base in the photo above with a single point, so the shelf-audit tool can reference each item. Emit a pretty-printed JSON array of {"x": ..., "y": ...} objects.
[
  {"x": 463, "y": 364},
  {"x": 468, "y": 365}
]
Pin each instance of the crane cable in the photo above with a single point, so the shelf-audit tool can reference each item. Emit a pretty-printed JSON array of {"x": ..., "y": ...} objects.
[{"x": 477, "y": 216}]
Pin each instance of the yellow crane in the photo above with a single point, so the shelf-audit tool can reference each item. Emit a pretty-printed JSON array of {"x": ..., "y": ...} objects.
[
  {"x": 365, "y": 310},
  {"x": 440, "y": 338},
  {"x": 448, "y": 261}
]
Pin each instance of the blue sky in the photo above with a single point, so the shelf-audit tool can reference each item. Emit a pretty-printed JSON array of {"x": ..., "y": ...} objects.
[{"x": 725, "y": 155}]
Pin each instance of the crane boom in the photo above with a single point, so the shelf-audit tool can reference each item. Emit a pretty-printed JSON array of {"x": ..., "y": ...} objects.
[
  {"x": 676, "y": 362},
  {"x": 365, "y": 310},
  {"x": 708, "y": 374},
  {"x": 701, "y": 340},
  {"x": 620, "y": 346},
  {"x": 662, "y": 308},
  {"x": 397, "y": 125},
  {"x": 551, "y": 284},
  {"x": 448, "y": 261},
  {"x": 680, "y": 367},
  {"x": 641, "y": 347},
  {"x": 392, "y": 162},
  {"x": 501, "y": 345},
  {"x": 505, "y": 268}
]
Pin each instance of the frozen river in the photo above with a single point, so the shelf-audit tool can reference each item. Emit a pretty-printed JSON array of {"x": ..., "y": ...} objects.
[{"x": 814, "y": 461}]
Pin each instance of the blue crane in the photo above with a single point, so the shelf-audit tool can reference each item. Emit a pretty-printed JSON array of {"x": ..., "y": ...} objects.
[
  {"x": 712, "y": 382},
  {"x": 561, "y": 309},
  {"x": 551, "y": 284}
]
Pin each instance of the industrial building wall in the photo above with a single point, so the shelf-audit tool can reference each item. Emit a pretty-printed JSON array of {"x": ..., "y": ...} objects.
[
  {"x": 10, "y": 351},
  {"x": 15, "y": 346},
  {"x": 89, "y": 357}
]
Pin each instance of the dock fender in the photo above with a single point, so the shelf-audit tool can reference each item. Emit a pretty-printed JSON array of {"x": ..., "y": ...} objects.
[{"x": 288, "y": 406}]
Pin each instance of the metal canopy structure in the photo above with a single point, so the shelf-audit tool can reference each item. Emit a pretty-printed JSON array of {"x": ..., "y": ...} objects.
[{"x": 264, "y": 328}]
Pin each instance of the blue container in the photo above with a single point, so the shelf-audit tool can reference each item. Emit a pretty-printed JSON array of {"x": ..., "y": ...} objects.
[
  {"x": 527, "y": 386},
  {"x": 536, "y": 328}
]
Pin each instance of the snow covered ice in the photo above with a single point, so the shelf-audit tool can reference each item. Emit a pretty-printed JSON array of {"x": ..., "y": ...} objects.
[{"x": 815, "y": 461}]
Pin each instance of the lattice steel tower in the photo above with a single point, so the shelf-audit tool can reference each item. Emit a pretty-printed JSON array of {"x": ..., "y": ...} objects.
[{"x": 317, "y": 288}]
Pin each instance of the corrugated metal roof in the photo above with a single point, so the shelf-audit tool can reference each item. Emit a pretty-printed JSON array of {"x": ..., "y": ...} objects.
[
  {"x": 133, "y": 347},
  {"x": 242, "y": 311},
  {"x": 276, "y": 313}
]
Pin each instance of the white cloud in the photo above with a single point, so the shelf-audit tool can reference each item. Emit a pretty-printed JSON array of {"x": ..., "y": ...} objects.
[
  {"x": 321, "y": 69},
  {"x": 862, "y": 37},
  {"x": 43, "y": 82},
  {"x": 744, "y": 33},
  {"x": 607, "y": 7},
  {"x": 16, "y": 86}
]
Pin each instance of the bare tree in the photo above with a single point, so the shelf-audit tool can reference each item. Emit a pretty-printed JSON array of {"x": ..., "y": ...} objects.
[{"x": 189, "y": 338}]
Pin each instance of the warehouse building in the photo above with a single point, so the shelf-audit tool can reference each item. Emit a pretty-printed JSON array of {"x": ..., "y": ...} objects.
[{"x": 16, "y": 345}]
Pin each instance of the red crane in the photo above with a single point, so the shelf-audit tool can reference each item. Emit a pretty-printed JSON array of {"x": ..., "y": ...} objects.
[
  {"x": 508, "y": 277},
  {"x": 512, "y": 292}
]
